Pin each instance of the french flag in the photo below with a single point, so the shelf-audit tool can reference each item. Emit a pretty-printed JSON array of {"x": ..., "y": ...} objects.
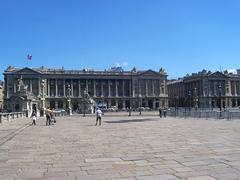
[{"x": 29, "y": 57}]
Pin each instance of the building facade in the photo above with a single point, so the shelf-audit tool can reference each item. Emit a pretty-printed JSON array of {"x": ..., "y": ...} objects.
[
  {"x": 1, "y": 95},
  {"x": 28, "y": 88},
  {"x": 205, "y": 89}
]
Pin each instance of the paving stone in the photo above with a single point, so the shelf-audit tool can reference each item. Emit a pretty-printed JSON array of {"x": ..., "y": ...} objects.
[
  {"x": 158, "y": 177},
  {"x": 169, "y": 148},
  {"x": 202, "y": 178}
]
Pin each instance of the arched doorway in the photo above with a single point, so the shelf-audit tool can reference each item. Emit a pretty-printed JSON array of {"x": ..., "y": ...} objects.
[
  {"x": 60, "y": 104},
  {"x": 150, "y": 103},
  {"x": 120, "y": 104},
  {"x": 17, "y": 107},
  {"x": 75, "y": 106}
]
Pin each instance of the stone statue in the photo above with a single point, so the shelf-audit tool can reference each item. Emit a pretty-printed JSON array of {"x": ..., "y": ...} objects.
[
  {"x": 21, "y": 86},
  {"x": 85, "y": 94}
]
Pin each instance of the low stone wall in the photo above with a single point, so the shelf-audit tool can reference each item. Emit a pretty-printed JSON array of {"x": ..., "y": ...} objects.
[{"x": 11, "y": 116}]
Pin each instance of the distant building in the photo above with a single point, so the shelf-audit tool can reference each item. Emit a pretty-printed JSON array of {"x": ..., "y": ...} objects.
[
  {"x": 205, "y": 89},
  {"x": 30, "y": 89},
  {"x": 238, "y": 71},
  {"x": 1, "y": 95}
]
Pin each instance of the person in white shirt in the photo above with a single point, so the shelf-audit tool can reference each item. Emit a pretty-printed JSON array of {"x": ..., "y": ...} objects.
[
  {"x": 34, "y": 118},
  {"x": 98, "y": 116}
]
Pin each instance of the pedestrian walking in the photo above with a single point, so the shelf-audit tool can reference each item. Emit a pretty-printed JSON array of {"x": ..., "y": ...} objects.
[
  {"x": 160, "y": 112},
  {"x": 52, "y": 118},
  {"x": 98, "y": 116},
  {"x": 48, "y": 118},
  {"x": 165, "y": 112},
  {"x": 34, "y": 118}
]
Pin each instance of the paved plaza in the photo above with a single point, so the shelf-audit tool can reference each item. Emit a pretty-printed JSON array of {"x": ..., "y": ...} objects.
[{"x": 136, "y": 147}]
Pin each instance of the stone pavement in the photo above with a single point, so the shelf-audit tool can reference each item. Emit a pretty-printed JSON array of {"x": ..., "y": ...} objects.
[{"x": 136, "y": 147}]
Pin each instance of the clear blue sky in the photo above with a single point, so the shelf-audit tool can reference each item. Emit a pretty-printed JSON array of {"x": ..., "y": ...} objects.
[{"x": 182, "y": 36}]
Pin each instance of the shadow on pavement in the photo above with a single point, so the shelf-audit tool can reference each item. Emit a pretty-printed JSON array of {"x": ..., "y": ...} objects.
[{"x": 129, "y": 121}]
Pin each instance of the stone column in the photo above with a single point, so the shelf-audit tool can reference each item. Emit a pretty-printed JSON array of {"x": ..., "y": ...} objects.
[
  {"x": 160, "y": 90},
  {"x": 87, "y": 85},
  {"x": 39, "y": 87},
  {"x": 153, "y": 88},
  {"x": 123, "y": 87},
  {"x": 64, "y": 103},
  {"x": 116, "y": 86},
  {"x": 124, "y": 104},
  {"x": 139, "y": 88},
  {"x": 79, "y": 88},
  {"x": 131, "y": 90},
  {"x": 56, "y": 87},
  {"x": 30, "y": 85},
  {"x": 154, "y": 104},
  {"x": 94, "y": 88},
  {"x": 116, "y": 103},
  {"x": 235, "y": 88},
  {"x": 101, "y": 88},
  {"x": 64, "y": 88},
  {"x": 71, "y": 87},
  {"x": 146, "y": 87},
  {"x": 229, "y": 102},
  {"x": 48, "y": 85},
  {"x": 56, "y": 105},
  {"x": 229, "y": 87},
  {"x": 14, "y": 89},
  {"x": 164, "y": 87},
  {"x": 109, "y": 89}
]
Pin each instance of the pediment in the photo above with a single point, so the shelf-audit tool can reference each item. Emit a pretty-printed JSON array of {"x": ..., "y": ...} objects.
[
  {"x": 149, "y": 73},
  {"x": 27, "y": 71},
  {"x": 217, "y": 75}
]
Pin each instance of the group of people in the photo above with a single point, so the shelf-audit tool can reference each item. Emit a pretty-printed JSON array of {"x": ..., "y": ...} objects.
[
  {"x": 50, "y": 118},
  {"x": 162, "y": 112}
]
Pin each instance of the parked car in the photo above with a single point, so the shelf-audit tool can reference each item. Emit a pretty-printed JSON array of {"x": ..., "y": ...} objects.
[
  {"x": 59, "y": 111},
  {"x": 112, "y": 109}
]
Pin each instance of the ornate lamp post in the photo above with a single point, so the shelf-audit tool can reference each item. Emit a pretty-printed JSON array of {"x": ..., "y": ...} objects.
[
  {"x": 220, "y": 99},
  {"x": 69, "y": 99},
  {"x": 130, "y": 95},
  {"x": 43, "y": 97},
  {"x": 84, "y": 101},
  {"x": 140, "y": 104},
  {"x": 189, "y": 96}
]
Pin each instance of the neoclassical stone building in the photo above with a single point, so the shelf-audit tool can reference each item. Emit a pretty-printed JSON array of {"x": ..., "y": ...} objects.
[
  {"x": 205, "y": 89},
  {"x": 35, "y": 88},
  {"x": 1, "y": 95}
]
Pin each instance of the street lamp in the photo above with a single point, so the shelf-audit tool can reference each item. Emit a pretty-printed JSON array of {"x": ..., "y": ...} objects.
[
  {"x": 140, "y": 104},
  {"x": 220, "y": 99},
  {"x": 130, "y": 94},
  {"x": 189, "y": 96},
  {"x": 43, "y": 96},
  {"x": 84, "y": 102},
  {"x": 69, "y": 99}
]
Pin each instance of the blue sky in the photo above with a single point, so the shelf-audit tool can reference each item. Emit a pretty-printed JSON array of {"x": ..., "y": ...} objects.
[{"x": 182, "y": 36}]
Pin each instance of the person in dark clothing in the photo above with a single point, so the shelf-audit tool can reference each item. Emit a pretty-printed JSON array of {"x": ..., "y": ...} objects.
[
  {"x": 48, "y": 119},
  {"x": 160, "y": 112},
  {"x": 165, "y": 112}
]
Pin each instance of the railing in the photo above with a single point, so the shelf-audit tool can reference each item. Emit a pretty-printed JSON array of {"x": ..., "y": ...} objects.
[
  {"x": 11, "y": 116},
  {"x": 204, "y": 113}
]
